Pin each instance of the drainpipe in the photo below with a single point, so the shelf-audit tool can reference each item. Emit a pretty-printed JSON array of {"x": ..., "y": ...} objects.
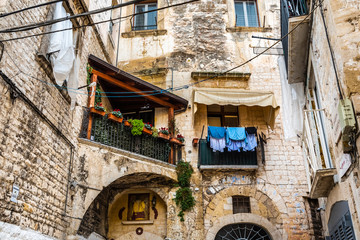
[{"x": 172, "y": 78}]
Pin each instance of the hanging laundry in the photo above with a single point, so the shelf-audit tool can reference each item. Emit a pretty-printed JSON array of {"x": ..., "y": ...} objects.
[
  {"x": 251, "y": 130},
  {"x": 216, "y": 136},
  {"x": 233, "y": 145},
  {"x": 235, "y": 133},
  {"x": 216, "y": 132},
  {"x": 251, "y": 143},
  {"x": 217, "y": 144}
]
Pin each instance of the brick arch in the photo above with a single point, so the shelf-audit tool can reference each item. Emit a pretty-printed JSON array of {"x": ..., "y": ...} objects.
[
  {"x": 244, "y": 218},
  {"x": 275, "y": 204}
]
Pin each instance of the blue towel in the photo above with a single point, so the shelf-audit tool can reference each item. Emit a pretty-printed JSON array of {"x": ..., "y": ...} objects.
[
  {"x": 235, "y": 133},
  {"x": 216, "y": 132}
]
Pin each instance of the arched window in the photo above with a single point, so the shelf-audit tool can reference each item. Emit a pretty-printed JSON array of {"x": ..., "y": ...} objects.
[{"x": 242, "y": 231}]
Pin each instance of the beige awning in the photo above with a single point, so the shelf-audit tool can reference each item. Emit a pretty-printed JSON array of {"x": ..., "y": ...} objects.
[{"x": 239, "y": 97}]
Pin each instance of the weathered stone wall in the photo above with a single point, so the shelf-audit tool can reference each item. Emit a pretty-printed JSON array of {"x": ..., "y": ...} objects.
[
  {"x": 341, "y": 18},
  {"x": 203, "y": 37},
  {"x": 32, "y": 154}
]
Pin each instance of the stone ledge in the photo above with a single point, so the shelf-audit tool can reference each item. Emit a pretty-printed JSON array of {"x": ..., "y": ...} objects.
[
  {"x": 143, "y": 33},
  {"x": 249, "y": 29},
  {"x": 229, "y": 167},
  {"x": 228, "y": 76},
  {"x": 126, "y": 153},
  {"x": 143, "y": 222}
]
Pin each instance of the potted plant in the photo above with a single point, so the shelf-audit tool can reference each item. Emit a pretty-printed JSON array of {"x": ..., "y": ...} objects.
[
  {"x": 116, "y": 116},
  {"x": 155, "y": 132},
  {"x": 178, "y": 140},
  {"x": 147, "y": 128},
  {"x": 164, "y": 133},
  {"x": 195, "y": 142},
  {"x": 137, "y": 126},
  {"x": 98, "y": 109}
]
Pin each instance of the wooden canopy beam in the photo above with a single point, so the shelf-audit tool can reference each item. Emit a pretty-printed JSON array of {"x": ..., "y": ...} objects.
[{"x": 132, "y": 89}]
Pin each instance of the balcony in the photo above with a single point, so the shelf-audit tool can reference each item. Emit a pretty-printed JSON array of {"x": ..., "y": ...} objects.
[
  {"x": 225, "y": 160},
  {"x": 295, "y": 45},
  {"x": 116, "y": 89},
  {"x": 319, "y": 169}
]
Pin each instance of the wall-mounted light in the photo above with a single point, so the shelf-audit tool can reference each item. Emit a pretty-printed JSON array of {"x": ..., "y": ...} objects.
[{"x": 153, "y": 201}]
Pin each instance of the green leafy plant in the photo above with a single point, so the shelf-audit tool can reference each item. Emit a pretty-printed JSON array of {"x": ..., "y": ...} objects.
[
  {"x": 88, "y": 80},
  {"x": 100, "y": 107},
  {"x": 148, "y": 126},
  {"x": 164, "y": 130},
  {"x": 117, "y": 113},
  {"x": 180, "y": 137},
  {"x": 137, "y": 126},
  {"x": 155, "y": 132},
  {"x": 184, "y": 197}
]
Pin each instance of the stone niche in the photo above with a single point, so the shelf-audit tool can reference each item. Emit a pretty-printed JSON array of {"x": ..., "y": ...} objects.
[{"x": 151, "y": 225}]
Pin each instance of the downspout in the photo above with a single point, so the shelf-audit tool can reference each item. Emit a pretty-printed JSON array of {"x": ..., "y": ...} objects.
[{"x": 331, "y": 50}]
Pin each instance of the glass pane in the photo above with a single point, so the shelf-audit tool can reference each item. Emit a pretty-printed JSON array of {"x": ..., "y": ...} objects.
[
  {"x": 252, "y": 14},
  {"x": 151, "y": 21},
  {"x": 230, "y": 109},
  {"x": 139, "y": 19},
  {"x": 214, "y": 121},
  {"x": 214, "y": 108},
  {"x": 231, "y": 121},
  {"x": 239, "y": 14}
]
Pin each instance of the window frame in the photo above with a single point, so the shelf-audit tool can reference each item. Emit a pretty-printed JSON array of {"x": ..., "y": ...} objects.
[
  {"x": 241, "y": 202},
  {"x": 145, "y": 26},
  {"x": 245, "y": 13},
  {"x": 222, "y": 115}
]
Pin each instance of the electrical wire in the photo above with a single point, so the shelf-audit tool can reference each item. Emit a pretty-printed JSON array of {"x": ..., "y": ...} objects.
[
  {"x": 28, "y": 8},
  {"x": 96, "y": 23},
  {"x": 156, "y": 92}
]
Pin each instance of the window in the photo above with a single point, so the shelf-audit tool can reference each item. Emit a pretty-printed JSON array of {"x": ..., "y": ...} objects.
[
  {"x": 138, "y": 205},
  {"x": 223, "y": 116},
  {"x": 145, "y": 21},
  {"x": 241, "y": 204},
  {"x": 146, "y": 115},
  {"x": 246, "y": 13}
]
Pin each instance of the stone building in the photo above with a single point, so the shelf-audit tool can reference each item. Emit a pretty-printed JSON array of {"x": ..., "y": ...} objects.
[
  {"x": 76, "y": 172},
  {"x": 328, "y": 73}
]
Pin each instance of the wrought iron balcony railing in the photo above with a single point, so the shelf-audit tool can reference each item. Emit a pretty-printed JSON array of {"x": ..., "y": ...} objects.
[
  {"x": 118, "y": 135},
  {"x": 208, "y": 157}
]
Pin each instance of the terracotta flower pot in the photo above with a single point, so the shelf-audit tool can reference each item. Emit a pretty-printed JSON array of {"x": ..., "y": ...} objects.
[
  {"x": 114, "y": 118},
  {"x": 93, "y": 110},
  {"x": 176, "y": 141},
  {"x": 164, "y": 136},
  {"x": 147, "y": 131},
  {"x": 127, "y": 124},
  {"x": 195, "y": 142}
]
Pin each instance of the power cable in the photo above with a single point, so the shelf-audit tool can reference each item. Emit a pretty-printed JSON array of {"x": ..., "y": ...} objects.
[
  {"x": 28, "y": 8},
  {"x": 156, "y": 92},
  {"x": 100, "y": 22}
]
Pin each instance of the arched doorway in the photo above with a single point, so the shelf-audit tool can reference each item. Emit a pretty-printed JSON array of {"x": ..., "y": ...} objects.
[
  {"x": 242, "y": 231},
  {"x": 340, "y": 224}
]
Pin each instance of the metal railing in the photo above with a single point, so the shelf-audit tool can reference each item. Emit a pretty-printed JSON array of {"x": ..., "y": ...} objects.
[
  {"x": 290, "y": 8},
  {"x": 208, "y": 157},
  {"x": 118, "y": 135}
]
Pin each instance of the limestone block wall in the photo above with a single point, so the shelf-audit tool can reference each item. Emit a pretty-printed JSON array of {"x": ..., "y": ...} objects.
[
  {"x": 33, "y": 156},
  {"x": 342, "y": 22}
]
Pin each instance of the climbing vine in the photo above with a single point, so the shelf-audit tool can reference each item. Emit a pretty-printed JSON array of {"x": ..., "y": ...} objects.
[{"x": 184, "y": 197}]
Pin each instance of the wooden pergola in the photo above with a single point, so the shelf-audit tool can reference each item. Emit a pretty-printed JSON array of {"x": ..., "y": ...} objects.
[{"x": 115, "y": 81}]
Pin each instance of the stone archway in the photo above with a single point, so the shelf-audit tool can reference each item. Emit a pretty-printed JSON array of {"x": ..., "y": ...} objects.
[
  {"x": 262, "y": 222},
  {"x": 95, "y": 219}
]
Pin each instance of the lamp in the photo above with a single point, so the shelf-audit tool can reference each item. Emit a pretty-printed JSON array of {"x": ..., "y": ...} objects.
[{"x": 153, "y": 201}]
